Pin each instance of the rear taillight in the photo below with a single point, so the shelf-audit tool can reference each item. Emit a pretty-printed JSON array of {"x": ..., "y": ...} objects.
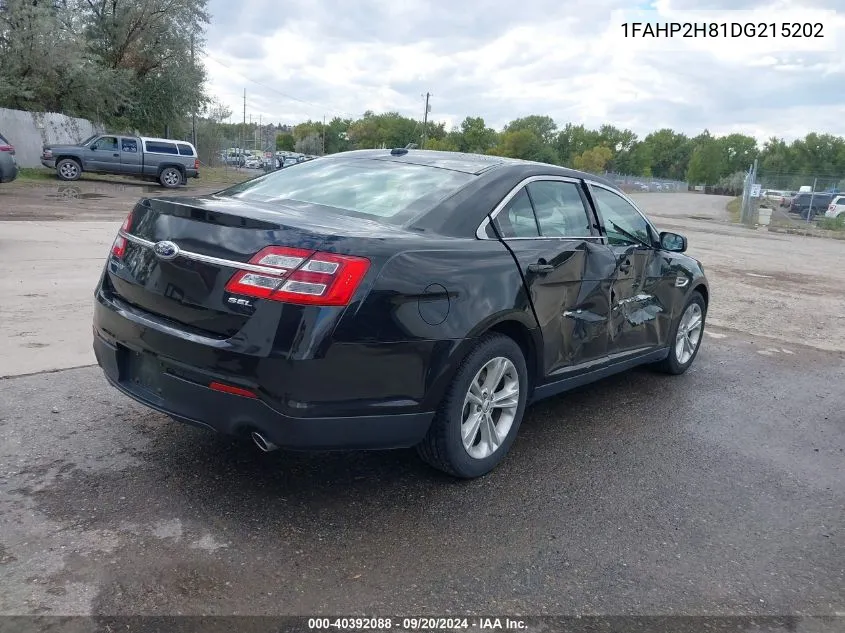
[
  {"x": 295, "y": 275},
  {"x": 118, "y": 247},
  {"x": 196, "y": 163},
  {"x": 7, "y": 148}
]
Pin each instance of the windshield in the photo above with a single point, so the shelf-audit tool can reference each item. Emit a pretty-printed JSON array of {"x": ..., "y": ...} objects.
[
  {"x": 387, "y": 190},
  {"x": 89, "y": 139}
]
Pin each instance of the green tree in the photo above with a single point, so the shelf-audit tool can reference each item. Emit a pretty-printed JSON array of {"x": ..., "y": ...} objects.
[
  {"x": 474, "y": 135},
  {"x": 738, "y": 152},
  {"x": 524, "y": 144},
  {"x": 670, "y": 153},
  {"x": 573, "y": 140},
  {"x": 152, "y": 41},
  {"x": 448, "y": 143},
  {"x": 706, "y": 165},
  {"x": 543, "y": 127},
  {"x": 285, "y": 142},
  {"x": 594, "y": 160}
]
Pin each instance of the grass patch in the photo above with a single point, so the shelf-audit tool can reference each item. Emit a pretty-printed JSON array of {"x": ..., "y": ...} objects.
[
  {"x": 832, "y": 224},
  {"x": 35, "y": 174},
  {"x": 734, "y": 208}
]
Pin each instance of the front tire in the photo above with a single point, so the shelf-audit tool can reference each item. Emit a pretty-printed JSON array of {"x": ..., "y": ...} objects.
[
  {"x": 479, "y": 417},
  {"x": 68, "y": 169},
  {"x": 686, "y": 336}
]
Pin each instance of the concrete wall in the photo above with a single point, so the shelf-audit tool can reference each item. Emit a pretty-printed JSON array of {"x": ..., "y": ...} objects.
[{"x": 28, "y": 131}]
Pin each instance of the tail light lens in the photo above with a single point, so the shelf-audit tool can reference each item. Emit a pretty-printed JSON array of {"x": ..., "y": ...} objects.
[
  {"x": 196, "y": 163},
  {"x": 118, "y": 248},
  {"x": 7, "y": 148},
  {"x": 304, "y": 277}
]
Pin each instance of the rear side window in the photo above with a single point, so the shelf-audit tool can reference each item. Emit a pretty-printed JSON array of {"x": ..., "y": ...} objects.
[
  {"x": 388, "y": 190},
  {"x": 516, "y": 219},
  {"x": 559, "y": 208},
  {"x": 161, "y": 148},
  {"x": 185, "y": 150}
]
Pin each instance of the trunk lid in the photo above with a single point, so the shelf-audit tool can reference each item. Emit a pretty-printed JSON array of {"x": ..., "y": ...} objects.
[{"x": 214, "y": 234}]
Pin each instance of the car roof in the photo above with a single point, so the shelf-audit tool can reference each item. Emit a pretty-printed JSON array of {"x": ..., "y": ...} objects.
[
  {"x": 467, "y": 163},
  {"x": 166, "y": 140}
]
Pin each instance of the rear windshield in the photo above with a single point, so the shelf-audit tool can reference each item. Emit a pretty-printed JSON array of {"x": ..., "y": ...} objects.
[{"x": 389, "y": 190}]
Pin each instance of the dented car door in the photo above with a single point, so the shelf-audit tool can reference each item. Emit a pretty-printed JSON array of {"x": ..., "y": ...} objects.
[{"x": 640, "y": 318}]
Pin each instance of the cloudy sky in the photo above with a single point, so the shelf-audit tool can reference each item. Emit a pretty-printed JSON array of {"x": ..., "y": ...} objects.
[{"x": 502, "y": 59}]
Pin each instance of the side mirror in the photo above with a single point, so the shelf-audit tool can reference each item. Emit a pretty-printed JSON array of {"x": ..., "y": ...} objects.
[{"x": 673, "y": 242}]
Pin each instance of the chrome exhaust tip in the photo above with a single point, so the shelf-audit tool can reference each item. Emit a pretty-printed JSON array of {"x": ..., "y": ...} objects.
[{"x": 263, "y": 444}]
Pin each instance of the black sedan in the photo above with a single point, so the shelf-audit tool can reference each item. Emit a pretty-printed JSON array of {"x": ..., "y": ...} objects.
[{"x": 381, "y": 299}]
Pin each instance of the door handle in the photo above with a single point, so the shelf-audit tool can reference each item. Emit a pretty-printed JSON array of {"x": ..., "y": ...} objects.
[
  {"x": 540, "y": 269},
  {"x": 117, "y": 155}
]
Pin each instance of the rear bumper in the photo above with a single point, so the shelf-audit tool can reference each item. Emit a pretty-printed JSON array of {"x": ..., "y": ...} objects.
[{"x": 190, "y": 401}]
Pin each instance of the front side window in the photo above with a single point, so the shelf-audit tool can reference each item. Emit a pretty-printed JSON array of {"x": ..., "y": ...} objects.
[
  {"x": 108, "y": 143},
  {"x": 623, "y": 223},
  {"x": 386, "y": 190},
  {"x": 559, "y": 208}
]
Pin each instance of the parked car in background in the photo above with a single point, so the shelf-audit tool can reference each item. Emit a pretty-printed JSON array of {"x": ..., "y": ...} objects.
[
  {"x": 8, "y": 162},
  {"x": 381, "y": 299},
  {"x": 807, "y": 205},
  {"x": 836, "y": 207},
  {"x": 168, "y": 161}
]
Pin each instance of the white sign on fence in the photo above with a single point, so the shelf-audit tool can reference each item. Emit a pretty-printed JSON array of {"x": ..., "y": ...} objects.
[{"x": 755, "y": 190}]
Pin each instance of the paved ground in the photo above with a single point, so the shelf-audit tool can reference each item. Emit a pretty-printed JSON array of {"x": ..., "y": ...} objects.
[{"x": 721, "y": 491}]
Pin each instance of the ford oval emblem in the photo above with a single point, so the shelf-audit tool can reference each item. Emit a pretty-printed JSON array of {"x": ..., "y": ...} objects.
[{"x": 166, "y": 250}]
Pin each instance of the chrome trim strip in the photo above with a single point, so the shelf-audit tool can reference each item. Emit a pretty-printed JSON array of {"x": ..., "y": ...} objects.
[
  {"x": 207, "y": 259},
  {"x": 621, "y": 194},
  {"x": 554, "y": 237},
  {"x": 480, "y": 231}
]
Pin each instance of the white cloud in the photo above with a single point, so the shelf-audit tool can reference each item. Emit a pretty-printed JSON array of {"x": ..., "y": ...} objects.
[{"x": 503, "y": 60}]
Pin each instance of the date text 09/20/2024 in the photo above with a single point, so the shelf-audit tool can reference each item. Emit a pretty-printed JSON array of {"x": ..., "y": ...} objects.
[
  {"x": 724, "y": 29},
  {"x": 417, "y": 624}
]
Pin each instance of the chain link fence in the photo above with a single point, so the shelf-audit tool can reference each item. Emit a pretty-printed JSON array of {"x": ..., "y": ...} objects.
[{"x": 634, "y": 184}]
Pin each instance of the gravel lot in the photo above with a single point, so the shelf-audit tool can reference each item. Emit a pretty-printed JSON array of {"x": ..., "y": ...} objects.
[{"x": 717, "y": 492}]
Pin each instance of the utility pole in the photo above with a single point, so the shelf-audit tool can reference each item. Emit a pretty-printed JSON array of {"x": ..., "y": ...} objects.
[
  {"x": 425, "y": 119},
  {"x": 324, "y": 135},
  {"x": 194, "y": 112},
  {"x": 243, "y": 135}
]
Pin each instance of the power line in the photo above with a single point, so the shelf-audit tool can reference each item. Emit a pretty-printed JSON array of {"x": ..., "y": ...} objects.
[{"x": 278, "y": 92}]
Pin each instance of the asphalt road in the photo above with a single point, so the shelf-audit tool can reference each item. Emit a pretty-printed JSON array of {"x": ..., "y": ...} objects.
[{"x": 717, "y": 492}]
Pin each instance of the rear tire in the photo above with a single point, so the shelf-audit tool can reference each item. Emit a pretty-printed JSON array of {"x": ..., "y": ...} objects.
[
  {"x": 68, "y": 169},
  {"x": 686, "y": 337},
  {"x": 170, "y": 177},
  {"x": 479, "y": 417}
]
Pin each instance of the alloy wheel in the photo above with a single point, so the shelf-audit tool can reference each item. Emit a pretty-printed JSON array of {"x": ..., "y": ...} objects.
[
  {"x": 689, "y": 333},
  {"x": 490, "y": 407}
]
